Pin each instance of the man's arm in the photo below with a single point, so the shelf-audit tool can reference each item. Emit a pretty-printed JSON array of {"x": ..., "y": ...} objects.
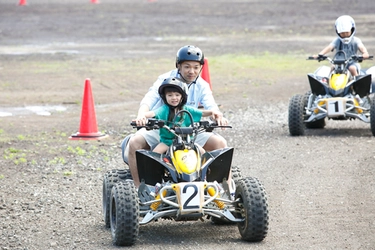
[
  {"x": 206, "y": 97},
  {"x": 209, "y": 103}
]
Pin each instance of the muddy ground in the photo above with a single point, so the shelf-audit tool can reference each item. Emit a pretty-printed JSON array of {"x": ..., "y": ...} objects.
[{"x": 321, "y": 186}]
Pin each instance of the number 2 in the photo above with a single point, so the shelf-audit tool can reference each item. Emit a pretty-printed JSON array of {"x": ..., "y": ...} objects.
[{"x": 192, "y": 191}]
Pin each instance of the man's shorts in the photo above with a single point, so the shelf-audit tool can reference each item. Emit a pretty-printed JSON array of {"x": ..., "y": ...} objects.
[{"x": 152, "y": 137}]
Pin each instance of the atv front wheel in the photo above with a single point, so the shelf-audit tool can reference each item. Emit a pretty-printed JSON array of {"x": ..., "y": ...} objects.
[
  {"x": 296, "y": 115},
  {"x": 236, "y": 173},
  {"x": 124, "y": 214},
  {"x": 112, "y": 177},
  {"x": 253, "y": 208},
  {"x": 372, "y": 116}
]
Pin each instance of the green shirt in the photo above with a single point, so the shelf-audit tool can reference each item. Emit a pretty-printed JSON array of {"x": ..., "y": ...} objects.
[{"x": 162, "y": 114}]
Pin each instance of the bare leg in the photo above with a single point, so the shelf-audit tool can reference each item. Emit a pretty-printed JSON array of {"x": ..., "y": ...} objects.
[
  {"x": 161, "y": 148},
  {"x": 202, "y": 151},
  {"x": 215, "y": 142},
  {"x": 135, "y": 143},
  {"x": 353, "y": 70}
]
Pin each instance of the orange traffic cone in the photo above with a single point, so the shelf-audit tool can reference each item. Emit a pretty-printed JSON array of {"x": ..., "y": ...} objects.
[
  {"x": 94, "y": 1},
  {"x": 88, "y": 129},
  {"x": 22, "y": 2},
  {"x": 205, "y": 74}
]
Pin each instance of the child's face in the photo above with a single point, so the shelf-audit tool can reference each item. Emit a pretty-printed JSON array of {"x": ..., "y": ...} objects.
[
  {"x": 345, "y": 34},
  {"x": 173, "y": 98}
]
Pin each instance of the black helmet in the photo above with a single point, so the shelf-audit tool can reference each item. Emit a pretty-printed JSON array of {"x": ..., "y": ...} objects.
[
  {"x": 175, "y": 84},
  {"x": 189, "y": 53}
]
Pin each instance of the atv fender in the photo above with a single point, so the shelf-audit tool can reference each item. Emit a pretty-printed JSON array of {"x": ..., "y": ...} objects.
[
  {"x": 371, "y": 71},
  {"x": 317, "y": 88},
  {"x": 216, "y": 164},
  {"x": 151, "y": 167},
  {"x": 362, "y": 85}
]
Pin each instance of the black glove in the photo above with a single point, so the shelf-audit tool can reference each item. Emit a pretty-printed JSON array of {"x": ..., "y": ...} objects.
[
  {"x": 358, "y": 58},
  {"x": 321, "y": 57}
]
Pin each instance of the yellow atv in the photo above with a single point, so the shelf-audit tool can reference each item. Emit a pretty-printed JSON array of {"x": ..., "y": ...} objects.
[
  {"x": 334, "y": 94},
  {"x": 183, "y": 185}
]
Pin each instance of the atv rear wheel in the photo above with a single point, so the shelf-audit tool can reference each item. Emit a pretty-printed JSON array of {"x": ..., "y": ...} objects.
[
  {"x": 124, "y": 214},
  {"x": 372, "y": 116},
  {"x": 296, "y": 115},
  {"x": 112, "y": 177},
  {"x": 253, "y": 208}
]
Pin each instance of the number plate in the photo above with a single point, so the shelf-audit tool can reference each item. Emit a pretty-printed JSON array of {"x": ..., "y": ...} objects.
[
  {"x": 190, "y": 196},
  {"x": 336, "y": 107}
]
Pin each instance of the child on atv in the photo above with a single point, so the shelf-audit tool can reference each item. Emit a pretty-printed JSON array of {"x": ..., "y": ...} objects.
[
  {"x": 173, "y": 92},
  {"x": 347, "y": 42}
]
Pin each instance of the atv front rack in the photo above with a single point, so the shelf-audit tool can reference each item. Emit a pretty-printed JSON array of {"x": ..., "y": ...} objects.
[{"x": 184, "y": 201}]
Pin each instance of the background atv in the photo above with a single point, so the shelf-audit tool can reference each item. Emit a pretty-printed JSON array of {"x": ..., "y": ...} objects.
[
  {"x": 333, "y": 94},
  {"x": 183, "y": 185}
]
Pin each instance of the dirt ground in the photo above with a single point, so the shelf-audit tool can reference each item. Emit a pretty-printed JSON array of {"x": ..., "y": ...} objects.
[{"x": 321, "y": 186}]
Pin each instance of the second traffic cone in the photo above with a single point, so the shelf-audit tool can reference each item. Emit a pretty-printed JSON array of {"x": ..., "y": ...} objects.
[
  {"x": 22, "y": 2},
  {"x": 94, "y": 1},
  {"x": 205, "y": 74},
  {"x": 88, "y": 129}
]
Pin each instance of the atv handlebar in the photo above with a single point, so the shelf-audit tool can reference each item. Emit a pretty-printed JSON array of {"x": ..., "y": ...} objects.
[
  {"x": 359, "y": 58},
  {"x": 319, "y": 58},
  {"x": 355, "y": 58},
  {"x": 152, "y": 123}
]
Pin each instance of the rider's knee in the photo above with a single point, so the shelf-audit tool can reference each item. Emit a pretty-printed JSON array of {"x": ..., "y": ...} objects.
[
  {"x": 137, "y": 142},
  {"x": 215, "y": 142},
  {"x": 222, "y": 143}
]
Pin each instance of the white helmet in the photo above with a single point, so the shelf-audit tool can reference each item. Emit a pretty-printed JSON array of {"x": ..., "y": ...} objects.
[{"x": 345, "y": 24}]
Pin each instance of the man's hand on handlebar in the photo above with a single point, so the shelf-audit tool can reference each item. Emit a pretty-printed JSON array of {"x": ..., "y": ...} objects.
[
  {"x": 140, "y": 121},
  {"x": 219, "y": 118}
]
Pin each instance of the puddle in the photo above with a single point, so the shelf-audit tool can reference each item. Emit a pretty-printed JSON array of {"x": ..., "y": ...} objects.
[
  {"x": 3, "y": 114},
  {"x": 36, "y": 49},
  {"x": 31, "y": 110}
]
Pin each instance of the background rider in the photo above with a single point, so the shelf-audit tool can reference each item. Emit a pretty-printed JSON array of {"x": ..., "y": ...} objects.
[{"x": 346, "y": 41}]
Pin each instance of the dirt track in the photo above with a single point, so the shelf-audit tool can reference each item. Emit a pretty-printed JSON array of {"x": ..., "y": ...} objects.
[{"x": 321, "y": 186}]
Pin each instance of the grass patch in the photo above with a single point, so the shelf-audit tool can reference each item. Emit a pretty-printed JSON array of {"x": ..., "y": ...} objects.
[
  {"x": 266, "y": 64},
  {"x": 77, "y": 150},
  {"x": 57, "y": 160},
  {"x": 15, "y": 155},
  {"x": 68, "y": 173}
]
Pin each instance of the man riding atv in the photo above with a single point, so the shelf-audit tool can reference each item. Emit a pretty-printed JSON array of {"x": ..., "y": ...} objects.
[{"x": 189, "y": 62}]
